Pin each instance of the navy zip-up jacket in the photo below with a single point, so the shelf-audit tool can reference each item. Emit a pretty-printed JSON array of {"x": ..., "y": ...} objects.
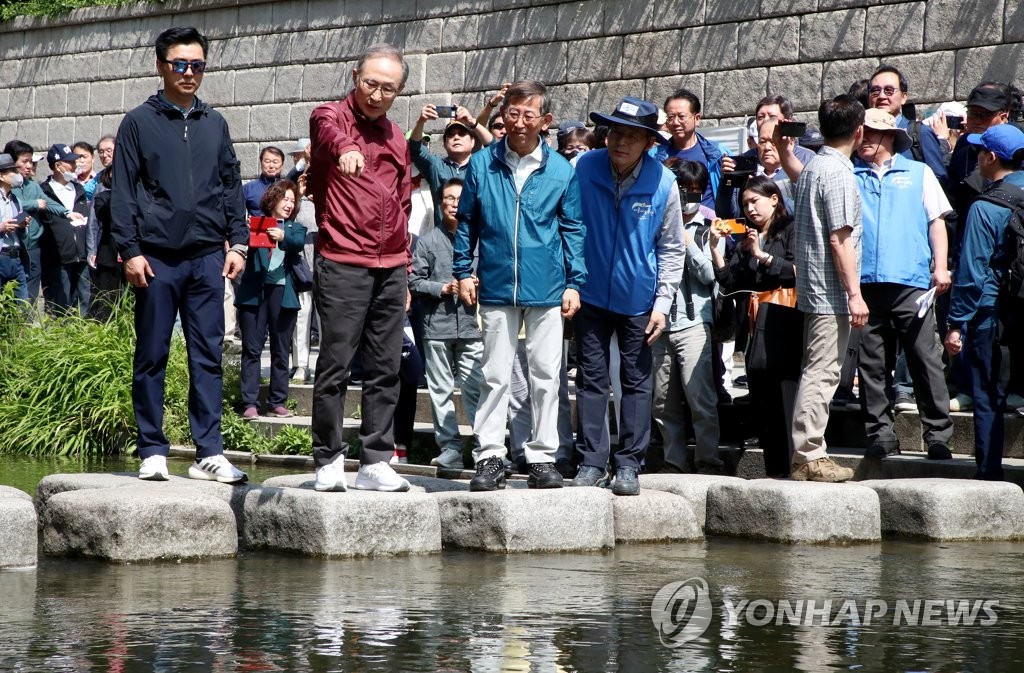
[{"x": 177, "y": 187}]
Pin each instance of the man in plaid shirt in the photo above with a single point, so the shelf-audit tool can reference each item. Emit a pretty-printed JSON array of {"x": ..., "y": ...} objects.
[{"x": 827, "y": 248}]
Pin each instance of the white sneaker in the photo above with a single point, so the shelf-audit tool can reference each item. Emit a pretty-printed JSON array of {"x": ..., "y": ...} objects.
[
  {"x": 216, "y": 468},
  {"x": 961, "y": 402},
  {"x": 379, "y": 477},
  {"x": 300, "y": 376},
  {"x": 1014, "y": 401},
  {"x": 331, "y": 477},
  {"x": 449, "y": 458},
  {"x": 154, "y": 468}
]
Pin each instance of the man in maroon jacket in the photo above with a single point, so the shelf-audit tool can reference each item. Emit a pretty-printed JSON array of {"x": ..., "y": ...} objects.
[{"x": 360, "y": 180}]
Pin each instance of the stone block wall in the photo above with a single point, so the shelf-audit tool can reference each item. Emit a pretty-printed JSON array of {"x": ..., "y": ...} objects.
[{"x": 72, "y": 77}]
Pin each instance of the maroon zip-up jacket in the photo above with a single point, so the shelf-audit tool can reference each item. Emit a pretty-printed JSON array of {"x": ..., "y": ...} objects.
[{"x": 363, "y": 221}]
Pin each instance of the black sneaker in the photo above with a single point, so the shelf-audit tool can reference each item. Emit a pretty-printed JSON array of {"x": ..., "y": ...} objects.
[
  {"x": 939, "y": 451},
  {"x": 626, "y": 482},
  {"x": 544, "y": 475},
  {"x": 490, "y": 475},
  {"x": 880, "y": 450},
  {"x": 589, "y": 475},
  {"x": 565, "y": 468}
]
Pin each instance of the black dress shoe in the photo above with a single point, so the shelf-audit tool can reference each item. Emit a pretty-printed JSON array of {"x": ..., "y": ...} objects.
[
  {"x": 939, "y": 451},
  {"x": 880, "y": 450},
  {"x": 490, "y": 475},
  {"x": 544, "y": 475},
  {"x": 626, "y": 482},
  {"x": 590, "y": 476}
]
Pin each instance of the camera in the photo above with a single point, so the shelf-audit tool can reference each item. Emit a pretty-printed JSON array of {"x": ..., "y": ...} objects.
[
  {"x": 446, "y": 110},
  {"x": 954, "y": 122}
]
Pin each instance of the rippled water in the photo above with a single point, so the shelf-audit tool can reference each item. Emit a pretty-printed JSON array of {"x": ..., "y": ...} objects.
[{"x": 487, "y": 613}]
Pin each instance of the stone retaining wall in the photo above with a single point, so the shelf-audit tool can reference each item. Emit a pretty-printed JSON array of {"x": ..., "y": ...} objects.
[{"x": 73, "y": 77}]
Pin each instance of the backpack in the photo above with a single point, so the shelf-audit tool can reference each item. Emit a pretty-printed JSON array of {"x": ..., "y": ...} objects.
[
  {"x": 1010, "y": 267},
  {"x": 723, "y": 308},
  {"x": 914, "y": 131}
]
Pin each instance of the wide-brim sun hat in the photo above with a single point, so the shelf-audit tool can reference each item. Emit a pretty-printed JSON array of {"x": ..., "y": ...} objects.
[{"x": 634, "y": 112}]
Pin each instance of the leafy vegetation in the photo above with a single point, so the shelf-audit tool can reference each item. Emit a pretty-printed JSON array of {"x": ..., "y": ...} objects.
[{"x": 12, "y": 8}]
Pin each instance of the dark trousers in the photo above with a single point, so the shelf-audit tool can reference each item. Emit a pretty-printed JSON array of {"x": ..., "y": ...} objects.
[
  {"x": 983, "y": 359},
  {"x": 766, "y": 403},
  {"x": 66, "y": 287},
  {"x": 11, "y": 269},
  {"x": 255, "y": 322},
  {"x": 108, "y": 286},
  {"x": 594, "y": 328},
  {"x": 409, "y": 374},
  {"x": 893, "y": 319},
  {"x": 195, "y": 288},
  {"x": 34, "y": 273},
  {"x": 364, "y": 309}
]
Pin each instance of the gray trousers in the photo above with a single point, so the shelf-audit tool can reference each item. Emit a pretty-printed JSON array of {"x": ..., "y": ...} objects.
[
  {"x": 825, "y": 338},
  {"x": 447, "y": 359},
  {"x": 682, "y": 368},
  {"x": 893, "y": 318}
]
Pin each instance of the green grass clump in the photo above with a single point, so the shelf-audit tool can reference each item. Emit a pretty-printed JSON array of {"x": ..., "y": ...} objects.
[{"x": 13, "y": 8}]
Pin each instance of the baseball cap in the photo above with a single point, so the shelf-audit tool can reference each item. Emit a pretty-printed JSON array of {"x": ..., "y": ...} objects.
[
  {"x": 812, "y": 138},
  {"x": 569, "y": 125},
  {"x": 991, "y": 97},
  {"x": 61, "y": 152},
  {"x": 300, "y": 146},
  {"x": 7, "y": 162},
  {"x": 1004, "y": 140},
  {"x": 456, "y": 123}
]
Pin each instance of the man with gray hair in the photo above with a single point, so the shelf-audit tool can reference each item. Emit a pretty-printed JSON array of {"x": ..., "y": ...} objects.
[{"x": 360, "y": 182}]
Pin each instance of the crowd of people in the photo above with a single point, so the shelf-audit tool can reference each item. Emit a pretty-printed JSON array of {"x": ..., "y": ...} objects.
[{"x": 638, "y": 253}]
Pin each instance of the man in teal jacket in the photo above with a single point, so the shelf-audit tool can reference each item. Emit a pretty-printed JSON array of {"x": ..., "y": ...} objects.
[
  {"x": 520, "y": 211},
  {"x": 635, "y": 236}
]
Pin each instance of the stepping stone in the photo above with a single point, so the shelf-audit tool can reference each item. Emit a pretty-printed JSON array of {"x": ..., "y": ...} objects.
[
  {"x": 655, "y": 516},
  {"x": 693, "y": 487},
  {"x": 356, "y": 523},
  {"x": 794, "y": 511},
  {"x": 306, "y": 481},
  {"x": 950, "y": 509},
  {"x": 528, "y": 520},
  {"x": 233, "y": 495},
  {"x": 18, "y": 529},
  {"x": 138, "y": 523}
]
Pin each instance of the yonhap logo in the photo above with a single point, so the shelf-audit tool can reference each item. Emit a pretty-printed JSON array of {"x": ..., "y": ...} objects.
[{"x": 681, "y": 611}]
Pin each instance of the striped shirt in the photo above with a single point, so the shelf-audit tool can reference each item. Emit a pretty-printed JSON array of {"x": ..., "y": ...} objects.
[{"x": 826, "y": 199}]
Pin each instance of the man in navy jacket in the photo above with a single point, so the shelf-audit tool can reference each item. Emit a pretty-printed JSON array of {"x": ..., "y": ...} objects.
[{"x": 176, "y": 198}]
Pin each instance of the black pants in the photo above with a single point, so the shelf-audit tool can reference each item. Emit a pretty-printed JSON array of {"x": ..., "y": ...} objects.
[
  {"x": 108, "y": 287},
  {"x": 893, "y": 317},
  {"x": 255, "y": 322},
  {"x": 363, "y": 309},
  {"x": 766, "y": 402}
]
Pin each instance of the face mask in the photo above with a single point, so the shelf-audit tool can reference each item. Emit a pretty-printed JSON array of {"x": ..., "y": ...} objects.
[
  {"x": 690, "y": 208},
  {"x": 17, "y": 180},
  {"x": 300, "y": 165},
  {"x": 69, "y": 176}
]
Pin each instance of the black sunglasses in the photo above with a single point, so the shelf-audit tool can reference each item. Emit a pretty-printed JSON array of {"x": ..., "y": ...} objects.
[{"x": 180, "y": 66}]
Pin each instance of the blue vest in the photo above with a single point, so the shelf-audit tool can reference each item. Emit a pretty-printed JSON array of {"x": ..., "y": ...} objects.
[
  {"x": 620, "y": 247},
  {"x": 894, "y": 242}
]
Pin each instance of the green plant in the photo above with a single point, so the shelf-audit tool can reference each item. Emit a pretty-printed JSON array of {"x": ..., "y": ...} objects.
[
  {"x": 292, "y": 441},
  {"x": 13, "y": 8},
  {"x": 239, "y": 435}
]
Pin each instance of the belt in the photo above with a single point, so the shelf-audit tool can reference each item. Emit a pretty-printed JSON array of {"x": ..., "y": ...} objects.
[{"x": 11, "y": 252}]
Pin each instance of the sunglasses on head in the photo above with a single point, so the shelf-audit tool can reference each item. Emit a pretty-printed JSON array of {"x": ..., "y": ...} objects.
[{"x": 180, "y": 66}]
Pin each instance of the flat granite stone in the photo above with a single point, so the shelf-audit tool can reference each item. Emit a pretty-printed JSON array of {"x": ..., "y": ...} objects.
[
  {"x": 655, "y": 516},
  {"x": 232, "y": 494},
  {"x": 138, "y": 523},
  {"x": 950, "y": 509},
  {"x": 355, "y": 523},
  {"x": 18, "y": 529},
  {"x": 693, "y": 487},
  {"x": 528, "y": 520},
  {"x": 794, "y": 511},
  {"x": 306, "y": 481}
]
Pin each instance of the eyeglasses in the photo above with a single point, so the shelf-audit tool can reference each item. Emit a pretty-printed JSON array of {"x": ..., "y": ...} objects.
[
  {"x": 181, "y": 66},
  {"x": 371, "y": 86},
  {"x": 514, "y": 115},
  {"x": 887, "y": 90},
  {"x": 450, "y": 199},
  {"x": 105, "y": 152},
  {"x": 682, "y": 117}
]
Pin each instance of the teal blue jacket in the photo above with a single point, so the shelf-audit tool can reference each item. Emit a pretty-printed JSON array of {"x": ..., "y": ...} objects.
[{"x": 251, "y": 287}]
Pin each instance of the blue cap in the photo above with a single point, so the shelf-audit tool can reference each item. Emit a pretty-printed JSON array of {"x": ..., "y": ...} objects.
[
  {"x": 633, "y": 112},
  {"x": 1003, "y": 139}
]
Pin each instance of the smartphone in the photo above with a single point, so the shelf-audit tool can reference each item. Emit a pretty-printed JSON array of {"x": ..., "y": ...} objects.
[
  {"x": 692, "y": 197},
  {"x": 954, "y": 122},
  {"x": 792, "y": 129},
  {"x": 21, "y": 218},
  {"x": 446, "y": 110},
  {"x": 736, "y": 227},
  {"x": 745, "y": 164}
]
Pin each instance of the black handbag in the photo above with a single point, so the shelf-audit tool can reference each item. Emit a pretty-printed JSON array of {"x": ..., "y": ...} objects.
[
  {"x": 302, "y": 275},
  {"x": 777, "y": 345}
]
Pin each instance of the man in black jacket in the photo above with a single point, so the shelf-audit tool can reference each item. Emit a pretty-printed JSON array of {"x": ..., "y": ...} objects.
[
  {"x": 176, "y": 198},
  {"x": 62, "y": 244}
]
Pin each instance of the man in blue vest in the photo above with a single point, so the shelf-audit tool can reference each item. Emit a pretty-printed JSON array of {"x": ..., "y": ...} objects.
[
  {"x": 903, "y": 256},
  {"x": 634, "y": 227}
]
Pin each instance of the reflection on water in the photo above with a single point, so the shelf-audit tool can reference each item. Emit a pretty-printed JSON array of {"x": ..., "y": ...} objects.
[{"x": 489, "y": 613}]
